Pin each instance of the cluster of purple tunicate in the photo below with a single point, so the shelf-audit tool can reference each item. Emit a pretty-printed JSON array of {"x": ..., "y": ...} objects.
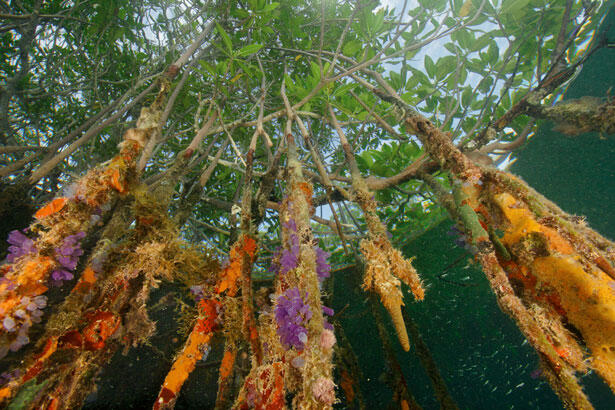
[
  {"x": 6, "y": 377},
  {"x": 275, "y": 261},
  {"x": 291, "y": 314},
  {"x": 18, "y": 323},
  {"x": 323, "y": 269},
  {"x": 198, "y": 292},
  {"x": 20, "y": 245},
  {"x": 329, "y": 312},
  {"x": 287, "y": 259},
  {"x": 67, "y": 256}
]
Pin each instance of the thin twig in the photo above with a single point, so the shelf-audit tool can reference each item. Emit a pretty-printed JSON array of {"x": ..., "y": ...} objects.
[{"x": 229, "y": 136}]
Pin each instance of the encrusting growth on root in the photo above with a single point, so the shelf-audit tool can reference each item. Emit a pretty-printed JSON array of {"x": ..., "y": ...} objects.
[
  {"x": 474, "y": 211},
  {"x": 207, "y": 323},
  {"x": 379, "y": 279},
  {"x": 568, "y": 285},
  {"x": 385, "y": 266},
  {"x": 107, "y": 306},
  {"x": 297, "y": 338}
]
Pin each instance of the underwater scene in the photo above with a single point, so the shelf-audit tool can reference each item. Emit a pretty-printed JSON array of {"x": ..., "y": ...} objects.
[{"x": 396, "y": 204}]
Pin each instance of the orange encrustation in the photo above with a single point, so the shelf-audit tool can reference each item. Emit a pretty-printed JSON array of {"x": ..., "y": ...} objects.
[
  {"x": 226, "y": 366},
  {"x": 29, "y": 280},
  {"x": 229, "y": 278},
  {"x": 35, "y": 271},
  {"x": 51, "y": 208},
  {"x": 206, "y": 325},
  {"x": 102, "y": 325},
  {"x": 306, "y": 188},
  {"x": 116, "y": 181},
  {"x": 50, "y": 347},
  {"x": 86, "y": 281},
  {"x": 347, "y": 385},
  {"x": 582, "y": 292},
  {"x": 193, "y": 352},
  {"x": 268, "y": 390}
]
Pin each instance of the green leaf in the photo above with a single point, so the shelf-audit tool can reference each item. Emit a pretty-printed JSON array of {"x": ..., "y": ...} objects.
[
  {"x": 480, "y": 42},
  {"x": 463, "y": 75},
  {"x": 240, "y": 13},
  {"x": 249, "y": 49},
  {"x": 445, "y": 66},
  {"x": 450, "y": 22},
  {"x": 451, "y": 47},
  {"x": 343, "y": 89},
  {"x": 433, "y": 4},
  {"x": 381, "y": 169},
  {"x": 248, "y": 69},
  {"x": 351, "y": 47},
  {"x": 485, "y": 84},
  {"x": 367, "y": 159},
  {"x": 379, "y": 21},
  {"x": 221, "y": 67},
  {"x": 518, "y": 94},
  {"x": 395, "y": 80},
  {"x": 312, "y": 80},
  {"x": 506, "y": 102},
  {"x": 514, "y": 8},
  {"x": 225, "y": 37},
  {"x": 208, "y": 67},
  {"x": 430, "y": 66},
  {"x": 476, "y": 105},
  {"x": 476, "y": 66},
  {"x": 468, "y": 123},
  {"x": 269, "y": 8},
  {"x": 493, "y": 53},
  {"x": 464, "y": 37},
  {"x": 411, "y": 150},
  {"x": 407, "y": 36},
  {"x": 409, "y": 98}
]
